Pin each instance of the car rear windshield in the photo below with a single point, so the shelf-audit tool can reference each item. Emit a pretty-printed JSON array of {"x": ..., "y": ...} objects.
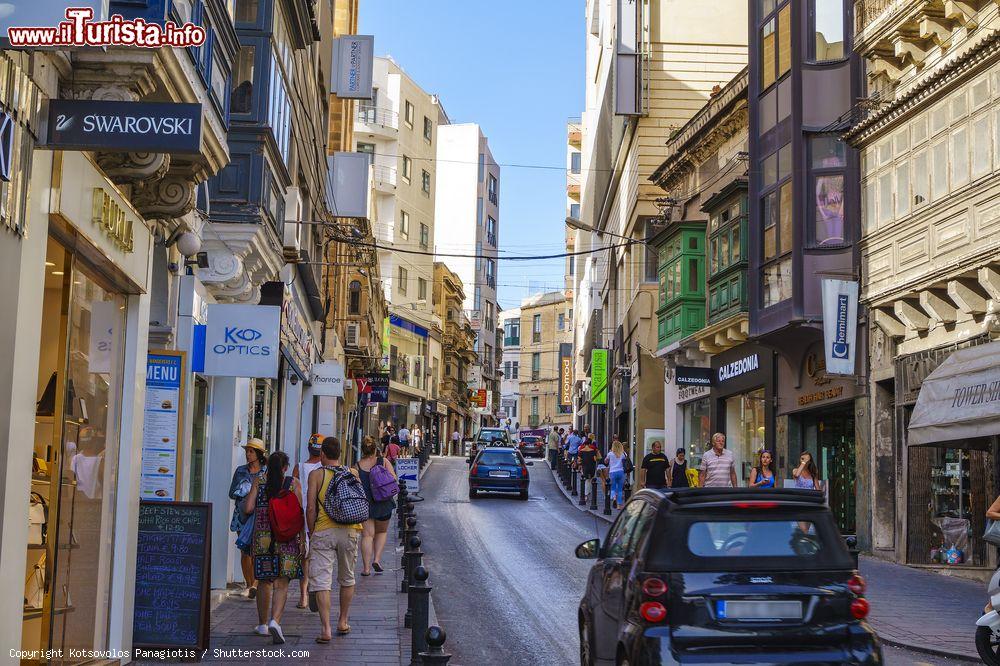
[
  {"x": 771, "y": 540},
  {"x": 498, "y": 458},
  {"x": 491, "y": 436},
  {"x": 530, "y": 439}
]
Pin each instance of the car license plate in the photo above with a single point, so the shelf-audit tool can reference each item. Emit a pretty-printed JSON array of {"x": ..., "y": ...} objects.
[
  {"x": 500, "y": 473},
  {"x": 759, "y": 610}
]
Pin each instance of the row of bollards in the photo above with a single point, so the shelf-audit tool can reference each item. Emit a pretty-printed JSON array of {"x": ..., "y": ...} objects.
[
  {"x": 426, "y": 642},
  {"x": 568, "y": 476}
]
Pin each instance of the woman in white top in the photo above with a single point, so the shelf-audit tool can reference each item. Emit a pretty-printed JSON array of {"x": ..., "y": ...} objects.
[
  {"x": 616, "y": 468},
  {"x": 301, "y": 473}
]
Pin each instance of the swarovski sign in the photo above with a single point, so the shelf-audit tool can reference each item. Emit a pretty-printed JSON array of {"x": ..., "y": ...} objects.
[
  {"x": 242, "y": 340},
  {"x": 840, "y": 325},
  {"x": 124, "y": 126}
]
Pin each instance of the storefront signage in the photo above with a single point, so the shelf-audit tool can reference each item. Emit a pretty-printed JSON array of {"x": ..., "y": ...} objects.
[
  {"x": 296, "y": 338},
  {"x": 740, "y": 367},
  {"x": 818, "y": 396},
  {"x": 565, "y": 381},
  {"x": 242, "y": 340},
  {"x": 599, "y": 377},
  {"x": 441, "y": 407},
  {"x": 161, "y": 425},
  {"x": 408, "y": 471},
  {"x": 840, "y": 325},
  {"x": 125, "y": 242},
  {"x": 6, "y": 146},
  {"x": 112, "y": 220},
  {"x": 415, "y": 407},
  {"x": 690, "y": 376},
  {"x": 133, "y": 127},
  {"x": 399, "y": 322},
  {"x": 686, "y": 393},
  {"x": 328, "y": 379},
  {"x": 478, "y": 398},
  {"x": 375, "y": 386},
  {"x": 353, "y": 61},
  {"x": 386, "y": 327}
]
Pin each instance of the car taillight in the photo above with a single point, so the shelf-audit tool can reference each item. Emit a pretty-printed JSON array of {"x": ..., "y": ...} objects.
[
  {"x": 859, "y": 608},
  {"x": 653, "y": 612},
  {"x": 654, "y": 587},
  {"x": 755, "y": 504},
  {"x": 475, "y": 469},
  {"x": 524, "y": 470},
  {"x": 857, "y": 585}
]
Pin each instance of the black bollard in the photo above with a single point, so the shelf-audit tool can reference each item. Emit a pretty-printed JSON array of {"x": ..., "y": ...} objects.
[
  {"x": 435, "y": 653},
  {"x": 607, "y": 499},
  {"x": 627, "y": 491},
  {"x": 403, "y": 500},
  {"x": 573, "y": 482},
  {"x": 420, "y": 593},
  {"x": 408, "y": 512},
  {"x": 411, "y": 531},
  {"x": 593, "y": 494},
  {"x": 583, "y": 491},
  {"x": 413, "y": 561}
]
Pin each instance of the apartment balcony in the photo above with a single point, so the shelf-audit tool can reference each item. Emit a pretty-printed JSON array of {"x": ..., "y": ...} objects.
[
  {"x": 385, "y": 179},
  {"x": 895, "y": 34},
  {"x": 534, "y": 420},
  {"x": 377, "y": 121},
  {"x": 574, "y": 132}
]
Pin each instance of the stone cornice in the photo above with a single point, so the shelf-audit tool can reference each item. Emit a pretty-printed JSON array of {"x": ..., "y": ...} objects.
[{"x": 935, "y": 85}]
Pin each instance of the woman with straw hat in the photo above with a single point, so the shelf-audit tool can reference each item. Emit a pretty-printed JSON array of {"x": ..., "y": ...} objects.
[{"x": 243, "y": 478}]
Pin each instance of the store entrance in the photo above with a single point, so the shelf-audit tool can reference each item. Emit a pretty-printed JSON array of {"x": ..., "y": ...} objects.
[{"x": 828, "y": 434}]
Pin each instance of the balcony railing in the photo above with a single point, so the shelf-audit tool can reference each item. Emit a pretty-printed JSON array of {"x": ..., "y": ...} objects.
[
  {"x": 866, "y": 11},
  {"x": 385, "y": 174},
  {"x": 373, "y": 115},
  {"x": 534, "y": 420}
]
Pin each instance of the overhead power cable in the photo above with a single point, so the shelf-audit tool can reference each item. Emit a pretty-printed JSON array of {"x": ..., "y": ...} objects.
[{"x": 377, "y": 246}]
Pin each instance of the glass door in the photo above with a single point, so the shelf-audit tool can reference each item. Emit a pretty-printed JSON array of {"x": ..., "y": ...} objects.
[{"x": 199, "y": 439}]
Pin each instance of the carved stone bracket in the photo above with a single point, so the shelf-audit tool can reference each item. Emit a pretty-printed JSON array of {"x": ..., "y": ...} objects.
[
  {"x": 134, "y": 167},
  {"x": 241, "y": 257},
  {"x": 170, "y": 197}
]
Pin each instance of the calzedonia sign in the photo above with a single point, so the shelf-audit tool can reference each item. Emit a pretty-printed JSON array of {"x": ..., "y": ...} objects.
[
  {"x": 740, "y": 367},
  {"x": 124, "y": 126}
]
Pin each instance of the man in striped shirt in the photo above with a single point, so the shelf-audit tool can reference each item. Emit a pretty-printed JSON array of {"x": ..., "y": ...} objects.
[{"x": 718, "y": 465}]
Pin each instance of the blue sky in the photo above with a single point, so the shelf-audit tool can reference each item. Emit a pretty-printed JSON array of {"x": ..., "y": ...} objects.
[{"x": 516, "y": 68}]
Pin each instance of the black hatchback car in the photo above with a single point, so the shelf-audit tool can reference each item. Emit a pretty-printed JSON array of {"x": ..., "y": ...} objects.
[{"x": 724, "y": 576}]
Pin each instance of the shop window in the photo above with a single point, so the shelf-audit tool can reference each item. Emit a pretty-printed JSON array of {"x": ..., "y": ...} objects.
[
  {"x": 76, "y": 450},
  {"x": 746, "y": 431}
]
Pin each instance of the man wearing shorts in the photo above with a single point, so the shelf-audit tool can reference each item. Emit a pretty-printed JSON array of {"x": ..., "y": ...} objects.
[{"x": 330, "y": 542}]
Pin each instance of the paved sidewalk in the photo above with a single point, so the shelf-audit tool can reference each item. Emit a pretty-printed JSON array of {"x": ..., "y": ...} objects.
[
  {"x": 922, "y": 610},
  {"x": 910, "y": 608},
  {"x": 377, "y": 634},
  {"x": 599, "y": 512}
]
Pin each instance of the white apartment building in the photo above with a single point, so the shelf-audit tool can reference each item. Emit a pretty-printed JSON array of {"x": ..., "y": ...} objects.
[
  {"x": 467, "y": 216},
  {"x": 510, "y": 384}
]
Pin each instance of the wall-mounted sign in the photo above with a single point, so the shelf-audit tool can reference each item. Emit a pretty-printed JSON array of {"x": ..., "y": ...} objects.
[
  {"x": 353, "y": 60},
  {"x": 599, "y": 377},
  {"x": 478, "y": 398},
  {"x": 161, "y": 425},
  {"x": 819, "y": 396},
  {"x": 328, "y": 379},
  {"x": 741, "y": 367},
  {"x": 6, "y": 146},
  {"x": 375, "y": 386},
  {"x": 565, "y": 381},
  {"x": 840, "y": 325},
  {"x": 691, "y": 376},
  {"x": 133, "y": 127},
  {"x": 112, "y": 220},
  {"x": 347, "y": 184},
  {"x": 242, "y": 340},
  {"x": 296, "y": 337}
]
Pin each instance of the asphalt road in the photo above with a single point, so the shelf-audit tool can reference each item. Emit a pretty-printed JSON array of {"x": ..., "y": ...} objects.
[{"x": 506, "y": 583}]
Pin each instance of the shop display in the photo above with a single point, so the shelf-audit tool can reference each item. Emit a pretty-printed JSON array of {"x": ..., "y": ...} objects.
[{"x": 38, "y": 518}]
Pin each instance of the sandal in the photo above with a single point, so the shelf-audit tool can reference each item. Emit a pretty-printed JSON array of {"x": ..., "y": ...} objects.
[
  {"x": 343, "y": 632},
  {"x": 322, "y": 641},
  {"x": 366, "y": 574}
]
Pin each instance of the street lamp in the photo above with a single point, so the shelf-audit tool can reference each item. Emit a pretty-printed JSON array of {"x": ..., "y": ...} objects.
[{"x": 574, "y": 223}]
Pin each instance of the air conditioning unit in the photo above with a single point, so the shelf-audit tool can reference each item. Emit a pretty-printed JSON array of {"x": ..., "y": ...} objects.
[{"x": 352, "y": 333}]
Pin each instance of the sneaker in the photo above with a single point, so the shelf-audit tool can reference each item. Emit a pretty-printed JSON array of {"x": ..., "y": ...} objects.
[
  {"x": 276, "y": 634},
  {"x": 377, "y": 567},
  {"x": 261, "y": 630},
  {"x": 252, "y": 593}
]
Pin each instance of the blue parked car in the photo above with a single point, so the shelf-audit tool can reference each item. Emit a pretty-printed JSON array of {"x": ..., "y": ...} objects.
[{"x": 499, "y": 469}]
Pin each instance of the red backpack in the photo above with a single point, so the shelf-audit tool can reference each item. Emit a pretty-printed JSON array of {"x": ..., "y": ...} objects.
[{"x": 285, "y": 515}]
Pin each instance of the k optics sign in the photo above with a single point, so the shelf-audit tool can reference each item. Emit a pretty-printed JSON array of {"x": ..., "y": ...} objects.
[
  {"x": 124, "y": 126},
  {"x": 242, "y": 340}
]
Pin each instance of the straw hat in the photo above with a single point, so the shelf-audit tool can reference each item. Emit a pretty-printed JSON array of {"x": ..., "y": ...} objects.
[{"x": 257, "y": 444}]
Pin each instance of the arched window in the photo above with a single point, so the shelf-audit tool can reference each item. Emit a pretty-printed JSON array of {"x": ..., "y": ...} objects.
[{"x": 354, "y": 298}]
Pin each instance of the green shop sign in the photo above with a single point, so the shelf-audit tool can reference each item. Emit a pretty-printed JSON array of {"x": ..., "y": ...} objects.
[{"x": 599, "y": 377}]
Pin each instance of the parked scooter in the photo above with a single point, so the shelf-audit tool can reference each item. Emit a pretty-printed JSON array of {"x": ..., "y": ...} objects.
[{"x": 988, "y": 626}]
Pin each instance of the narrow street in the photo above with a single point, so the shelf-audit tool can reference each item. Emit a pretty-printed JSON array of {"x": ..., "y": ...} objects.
[{"x": 506, "y": 583}]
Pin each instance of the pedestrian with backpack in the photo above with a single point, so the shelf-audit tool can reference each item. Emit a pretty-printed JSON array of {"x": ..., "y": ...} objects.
[
  {"x": 278, "y": 541},
  {"x": 337, "y": 508},
  {"x": 379, "y": 480}
]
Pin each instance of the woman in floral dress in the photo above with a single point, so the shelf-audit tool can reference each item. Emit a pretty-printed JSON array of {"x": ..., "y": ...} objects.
[{"x": 275, "y": 563}]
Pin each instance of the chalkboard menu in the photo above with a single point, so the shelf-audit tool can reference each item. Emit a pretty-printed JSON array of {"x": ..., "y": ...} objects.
[{"x": 172, "y": 575}]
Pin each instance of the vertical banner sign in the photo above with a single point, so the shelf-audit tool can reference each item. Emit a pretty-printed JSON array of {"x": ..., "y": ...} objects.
[
  {"x": 386, "y": 328},
  {"x": 565, "y": 375},
  {"x": 161, "y": 425},
  {"x": 840, "y": 325},
  {"x": 599, "y": 377}
]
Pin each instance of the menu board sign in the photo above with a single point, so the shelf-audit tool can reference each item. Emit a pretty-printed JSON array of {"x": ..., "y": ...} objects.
[
  {"x": 173, "y": 555},
  {"x": 162, "y": 424}
]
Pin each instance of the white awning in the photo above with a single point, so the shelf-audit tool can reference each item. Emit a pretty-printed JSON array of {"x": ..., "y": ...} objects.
[{"x": 960, "y": 399}]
